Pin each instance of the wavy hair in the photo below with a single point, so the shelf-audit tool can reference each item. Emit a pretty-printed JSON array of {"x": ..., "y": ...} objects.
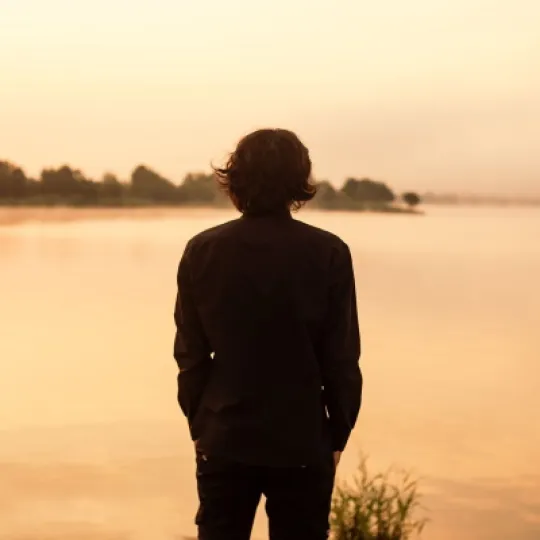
[{"x": 269, "y": 172}]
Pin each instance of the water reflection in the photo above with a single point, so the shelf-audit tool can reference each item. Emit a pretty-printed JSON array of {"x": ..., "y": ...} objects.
[
  {"x": 93, "y": 444},
  {"x": 125, "y": 497}
]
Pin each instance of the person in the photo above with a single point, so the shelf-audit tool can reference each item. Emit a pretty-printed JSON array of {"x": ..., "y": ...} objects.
[{"x": 268, "y": 350}]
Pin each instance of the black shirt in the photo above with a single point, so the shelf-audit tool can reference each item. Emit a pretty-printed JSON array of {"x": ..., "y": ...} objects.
[{"x": 267, "y": 341}]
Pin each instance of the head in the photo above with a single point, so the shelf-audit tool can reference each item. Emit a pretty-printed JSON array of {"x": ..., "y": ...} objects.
[{"x": 268, "y": 173}]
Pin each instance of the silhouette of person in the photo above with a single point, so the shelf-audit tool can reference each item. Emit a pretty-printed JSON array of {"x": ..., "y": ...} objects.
[{"x": 268, "y": 350}]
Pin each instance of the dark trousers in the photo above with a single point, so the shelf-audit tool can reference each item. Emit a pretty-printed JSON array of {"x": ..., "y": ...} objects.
[{"x": 297, "y": 499}]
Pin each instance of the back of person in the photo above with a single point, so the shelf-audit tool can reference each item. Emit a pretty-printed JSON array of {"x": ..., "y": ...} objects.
[{"x": 267, "y": 345}]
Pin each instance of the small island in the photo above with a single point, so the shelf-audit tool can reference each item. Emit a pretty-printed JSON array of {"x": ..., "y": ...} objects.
[{"x": 66, "y": 186}]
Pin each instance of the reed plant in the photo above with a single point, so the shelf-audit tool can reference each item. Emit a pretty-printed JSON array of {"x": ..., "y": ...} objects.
[{"x": 383, "y": 506}]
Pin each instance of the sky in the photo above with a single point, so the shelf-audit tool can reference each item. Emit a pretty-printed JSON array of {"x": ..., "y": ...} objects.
[{"x": 440, "y": 95}]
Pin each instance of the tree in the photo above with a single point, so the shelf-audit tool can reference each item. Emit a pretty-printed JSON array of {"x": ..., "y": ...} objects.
[
  {"x": 328, "y": 198},
  {"x": 111, "y": 188},
  {"x": 147, "y": 184},
  {"x": 13, "y": 181},
  {"x": 411, "y": 198},
  {"x": 367, "y": 191},
  {"x": 68, "y": 185},
  {"x": 326, "y": 194},
  {"x": 33, "y": 188},
  {"x": 64, "y": 181},
  {"x": 199, "y": 188}
]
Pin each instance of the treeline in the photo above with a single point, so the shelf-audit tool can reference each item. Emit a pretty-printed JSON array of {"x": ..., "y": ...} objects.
[
  {"x": 68, "y": 186},
  {"x": 364, "y": 194}
]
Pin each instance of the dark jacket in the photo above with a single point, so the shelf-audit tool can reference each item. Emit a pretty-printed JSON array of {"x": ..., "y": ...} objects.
[{"x": 267, "y": 341}]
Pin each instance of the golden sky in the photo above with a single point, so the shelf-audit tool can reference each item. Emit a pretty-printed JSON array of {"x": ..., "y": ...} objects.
[{"x": 423, "y": 94}]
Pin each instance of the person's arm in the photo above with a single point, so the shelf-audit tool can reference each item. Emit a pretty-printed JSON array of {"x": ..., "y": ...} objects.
[
  {"x": 191, "y": 348},
  {"x": 342, "y": 378}
]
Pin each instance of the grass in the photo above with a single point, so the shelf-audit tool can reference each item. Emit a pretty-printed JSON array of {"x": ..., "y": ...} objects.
[{"x": 379, "y": 507}]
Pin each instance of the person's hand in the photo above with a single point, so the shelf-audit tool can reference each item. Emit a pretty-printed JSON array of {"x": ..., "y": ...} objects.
[{"x": 337, "y": 458}]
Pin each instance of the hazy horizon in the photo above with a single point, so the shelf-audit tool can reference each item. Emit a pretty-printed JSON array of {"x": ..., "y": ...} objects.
[{"x": 432, "y": 95}]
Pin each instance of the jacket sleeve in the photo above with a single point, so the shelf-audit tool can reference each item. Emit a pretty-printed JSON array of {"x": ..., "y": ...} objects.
[
  {"x": 342, "y": 378},
  {"x": 191, "y": 348}
]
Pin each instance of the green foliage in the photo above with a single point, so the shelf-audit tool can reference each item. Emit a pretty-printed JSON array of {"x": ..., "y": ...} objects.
[
  {"x": 411, "y": 198},
  {"x": 147, "y": 184},
  {"x": 380, "y": 507},
  {"x": 111, "y": 188},
  {"x": 199, "y": 187},
  {"x": 68, "y": 186},
  {"x": 368, "y": 191},
  {"x": 328, "y": 198},
  {"x": 66, "y": 181},
  {"x": 13, "y": 181},
  {"x": 357, "y": 195}
]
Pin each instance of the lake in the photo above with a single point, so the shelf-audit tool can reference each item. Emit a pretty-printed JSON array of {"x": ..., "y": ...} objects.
[{"x": 93, "y": 446}]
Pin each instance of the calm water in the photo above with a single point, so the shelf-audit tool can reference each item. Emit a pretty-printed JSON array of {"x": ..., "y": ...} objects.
[{"x": 92, "y": 445}]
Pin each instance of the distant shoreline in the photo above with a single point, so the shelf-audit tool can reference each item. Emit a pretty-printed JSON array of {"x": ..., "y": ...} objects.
[
  {"x": 20, "y": 214},
  {"x": 479, "y": 200},
  {"x": 68, "y": 187}
]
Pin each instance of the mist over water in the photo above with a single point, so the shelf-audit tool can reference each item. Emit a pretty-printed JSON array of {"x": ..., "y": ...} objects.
[{"x": 93, "y": 446}]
